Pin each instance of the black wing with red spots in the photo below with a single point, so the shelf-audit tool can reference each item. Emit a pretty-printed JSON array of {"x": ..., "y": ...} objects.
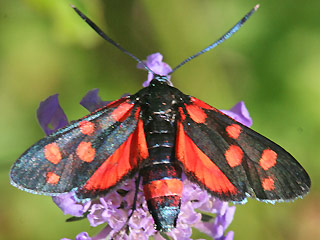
[
  {"x": 68, "y": 158},
  {"x": 232, "y": 161}
]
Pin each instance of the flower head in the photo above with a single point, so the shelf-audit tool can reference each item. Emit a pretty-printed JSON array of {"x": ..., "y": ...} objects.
[
  {"x": 154, "y": 62},
  {"x": 114, "y": 208}
]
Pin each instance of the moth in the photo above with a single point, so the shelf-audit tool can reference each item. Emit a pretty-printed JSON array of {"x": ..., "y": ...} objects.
[{"x": 158, "y": 134}]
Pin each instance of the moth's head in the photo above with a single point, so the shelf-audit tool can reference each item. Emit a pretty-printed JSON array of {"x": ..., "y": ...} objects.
[{"x": 162, "y": 79}]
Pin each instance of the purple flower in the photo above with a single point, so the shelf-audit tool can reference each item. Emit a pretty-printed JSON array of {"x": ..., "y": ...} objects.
[
  {"x": 154, "y": 62},
  {"x": 240, "y": 113},
  {"x": 114, "y": 208},
  {"x": 80, "y": 236},
  {"x": 92, "y": 101},
  {"x": 51, "y": 114},
  {"x": 68, "y": 204}
]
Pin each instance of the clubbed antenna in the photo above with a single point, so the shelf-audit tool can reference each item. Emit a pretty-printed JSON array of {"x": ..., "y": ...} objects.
[
  {"x": 105, "y": 36},
  {"x": 228, "y": 34}
]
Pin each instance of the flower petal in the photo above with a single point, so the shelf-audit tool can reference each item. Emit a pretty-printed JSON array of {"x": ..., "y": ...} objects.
[
  {"x": 50, "y": 115},
  {"x": 154, "y": 62},
  {"x": 92, "y": 101},
  {"x": 103, "y": 234},
  {"x": 83, "y": 236},
  {"x": 96, "y": 215},
  {"x": 240, "y": 113},
  {"x": 67, "y": 203},
  {"x": 229, "y": 236}
]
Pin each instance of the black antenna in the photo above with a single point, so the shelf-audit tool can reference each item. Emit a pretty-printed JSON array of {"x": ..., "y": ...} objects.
[
  {"x": 104, "y": 36},
  {"x": 228, "y": 34}
]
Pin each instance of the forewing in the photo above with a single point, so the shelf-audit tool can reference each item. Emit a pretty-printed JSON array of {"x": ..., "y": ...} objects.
[
  {"x": 231, "y": 160},
  {"x": 70, "y": 157}
]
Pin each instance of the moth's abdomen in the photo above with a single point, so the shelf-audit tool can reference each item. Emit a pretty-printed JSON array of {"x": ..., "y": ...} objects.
[
  {"x": 162, "y": 187},
  {"x": 161, "y": 174}
]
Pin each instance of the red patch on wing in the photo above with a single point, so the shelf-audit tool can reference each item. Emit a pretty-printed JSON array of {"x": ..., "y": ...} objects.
[
  {"x": 164, "y": 187},
  {"x": 234, "y": 130},
  {"x": 52, "y": 153},
  {"x": 268, "y": 184},
  {"x": 125, "y": 159},
  {"x": 182, "y": 115},
  {"x": 86, "y": 127},
  {"x": 234, "y": 155},
  {"x": 122, "y": 111},
  {"x": 268, "y": 159},
  {"x": 200, "y": 166},
  {"x": 85, "y": 151},
  {"x": 137, "y": 113},
  {"x": 52, "y": 178},
  {"x": 117, "y": 102},
  {"x": 201, "y": 104},
  {"x": 196, "y": 113}
]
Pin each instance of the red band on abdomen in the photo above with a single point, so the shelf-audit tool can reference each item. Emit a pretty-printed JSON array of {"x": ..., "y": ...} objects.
[{"x": 164, "y": 187}]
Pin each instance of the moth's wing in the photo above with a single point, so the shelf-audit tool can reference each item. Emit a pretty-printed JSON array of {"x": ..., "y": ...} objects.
[
  {"x": 231, "y": 161},
  {"x": 90, "y": 155}
]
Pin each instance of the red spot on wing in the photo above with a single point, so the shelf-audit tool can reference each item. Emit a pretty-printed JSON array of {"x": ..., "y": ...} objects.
[
  {"x": 268, "y": 159},
  {"x": 86, "y": 127},
  {"x": 234, "y": 155},
  {"x": 52, "y": 178},
  {"x": 52, "y": 153},
  {"x": 122, "y": 111},
  {"x": 164, "y": 187},
  {"x": 196, "y": 113},
  {"x": 234, "y": 130},
  {"x": 125, "y": 159},
  {"x": 201, "y": 104},
  {"x": 85, "y": 151},
  {"x": 200, "y": 166},
  {"x": 268, "y": 184}
]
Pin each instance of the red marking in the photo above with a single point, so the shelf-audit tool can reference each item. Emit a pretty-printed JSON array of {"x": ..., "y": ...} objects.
[
  {"x": 52, "y": 178},
  {"x": 122, "y": 111},
  {"x": 234, "y": 130},
  {"x": 200, "y": 166},
  {"x": 86, "y": 127},
  {"x": 52, "y": 153},
  {"x": 268, "y": 159},
  {"x": 136, "y": 115},
  {"x": 182, "y": 115},
  {"x": 234, "y": 155},
  {"x": 196, "y": 113},
  {"x": 126, "y": 158},
  {"x": 202, "y": 104},
  {"x": 85, "y": 151},
  {"x": 164, "y": 187},
  {"x": 268, "y": 184},
  {"x": 117, "y": 102}
]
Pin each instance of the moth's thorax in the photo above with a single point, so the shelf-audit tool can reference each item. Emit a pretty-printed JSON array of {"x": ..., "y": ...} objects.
[
  {"x": 159, "y": 111},
  {"x": 160, "y": 100}
]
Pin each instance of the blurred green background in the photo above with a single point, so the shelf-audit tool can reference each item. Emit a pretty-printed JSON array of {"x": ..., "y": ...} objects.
[{"x": 273, "y": 64}]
